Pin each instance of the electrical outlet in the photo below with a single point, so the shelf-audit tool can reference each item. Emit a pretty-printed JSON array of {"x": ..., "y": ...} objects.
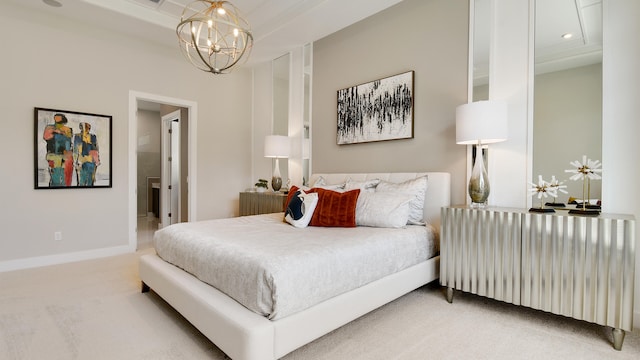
[{"x": 57, "y": 236}]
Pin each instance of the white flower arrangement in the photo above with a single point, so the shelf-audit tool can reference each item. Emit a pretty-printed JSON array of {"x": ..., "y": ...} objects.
[
  {"x": 558, "y": 186},
  {"x": 586, "y": 171},
  {"x": 543, "y": 189}
]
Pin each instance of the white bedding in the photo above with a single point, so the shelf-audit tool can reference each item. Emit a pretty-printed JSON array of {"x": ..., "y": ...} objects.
[{"x": 276, "y": 270}]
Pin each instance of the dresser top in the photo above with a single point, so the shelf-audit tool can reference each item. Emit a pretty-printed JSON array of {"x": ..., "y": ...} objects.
[{"x": 558, "y": 212}]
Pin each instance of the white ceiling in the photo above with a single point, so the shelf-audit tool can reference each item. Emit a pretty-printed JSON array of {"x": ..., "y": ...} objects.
[
  {"x": 277, "y": 25},
  {"x": 553, "y": 18}
]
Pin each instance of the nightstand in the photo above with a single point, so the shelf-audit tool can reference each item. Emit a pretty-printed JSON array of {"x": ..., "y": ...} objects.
[{"x": 255, "y": 203}]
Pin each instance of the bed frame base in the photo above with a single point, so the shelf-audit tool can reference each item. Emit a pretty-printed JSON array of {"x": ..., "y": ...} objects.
[{"x": 245, "y": 335}]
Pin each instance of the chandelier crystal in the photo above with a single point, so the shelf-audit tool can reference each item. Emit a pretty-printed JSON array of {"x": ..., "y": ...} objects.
[{"x": 213, "y": 36}]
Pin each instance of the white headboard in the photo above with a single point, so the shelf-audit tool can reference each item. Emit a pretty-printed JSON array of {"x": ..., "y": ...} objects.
[{"x": 438, "y": 188}]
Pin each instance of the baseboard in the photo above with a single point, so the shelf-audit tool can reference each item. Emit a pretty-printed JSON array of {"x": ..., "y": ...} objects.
[
  {"x": 636, "y": 320},
  {"x": 39, "y": 261}
]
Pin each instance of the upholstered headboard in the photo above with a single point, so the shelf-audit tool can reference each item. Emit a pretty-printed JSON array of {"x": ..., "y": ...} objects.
[{"x": 438, "y": 188}]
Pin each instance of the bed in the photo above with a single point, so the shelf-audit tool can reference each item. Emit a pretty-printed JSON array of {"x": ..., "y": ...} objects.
[{"x": 270, "y": 333}]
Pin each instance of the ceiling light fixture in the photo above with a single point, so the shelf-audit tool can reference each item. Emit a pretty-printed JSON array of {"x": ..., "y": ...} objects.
[
  {"x": 567, "y": 36},
  {"x": 213, "y": 36}
]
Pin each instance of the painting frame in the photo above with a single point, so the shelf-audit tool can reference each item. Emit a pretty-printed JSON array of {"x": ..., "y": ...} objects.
[
  {"x": 378, "y": 110},
  {"x": 72, "y": 149}
]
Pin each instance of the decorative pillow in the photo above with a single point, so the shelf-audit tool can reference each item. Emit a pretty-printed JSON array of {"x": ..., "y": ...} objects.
[
  {"x": 367, "y": 185},
  {"x": 322, "y": 183},
  {"x": 382, "y": 209},
  {"x": 416, "y": 188},
  {"x": 300, "y": 209},
  {"x": 292, "y": 191},
  {"x": 335, "y": 209}
]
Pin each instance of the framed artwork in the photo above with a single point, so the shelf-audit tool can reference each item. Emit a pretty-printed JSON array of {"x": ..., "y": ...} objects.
[
  {"x": 71, "y": 149},
  {"x": 376, "y": 111}
]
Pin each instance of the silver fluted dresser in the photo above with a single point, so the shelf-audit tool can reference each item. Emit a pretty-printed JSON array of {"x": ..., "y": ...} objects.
[
  {"x": 577, "y": 266},
  {"x": 255, "y": 203}
]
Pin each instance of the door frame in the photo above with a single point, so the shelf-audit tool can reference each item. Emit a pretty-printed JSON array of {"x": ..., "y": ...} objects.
[{"x": 192, "y": 119}]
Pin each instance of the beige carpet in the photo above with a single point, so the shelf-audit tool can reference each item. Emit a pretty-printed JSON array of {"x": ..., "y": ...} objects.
[{"x": 94, "y": 310}]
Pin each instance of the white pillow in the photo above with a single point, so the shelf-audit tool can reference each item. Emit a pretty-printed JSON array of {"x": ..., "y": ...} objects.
[
  {"x": 300, "y": 208},
  {"x": 416, "y": 188},
  {"x": 379, "y": 209},
  {"x": 322, "y": 183},
  {"x": 367, "y": 185}
]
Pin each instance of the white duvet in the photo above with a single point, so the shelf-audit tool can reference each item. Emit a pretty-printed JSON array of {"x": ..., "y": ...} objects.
[{"x": 275, "y": 269}]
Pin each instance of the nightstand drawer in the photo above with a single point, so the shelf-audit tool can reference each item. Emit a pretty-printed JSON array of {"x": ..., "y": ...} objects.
[{"x": 255, "y": 203}]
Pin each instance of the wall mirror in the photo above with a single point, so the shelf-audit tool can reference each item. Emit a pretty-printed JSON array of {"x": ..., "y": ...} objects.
[
  {"x": 306, "y": 133},
  {"x": 280, "y": 124},
  {"x": 481, "y": 45},
  {"x": 567, "y": 112},
  {"x": 481, "y": 48}
]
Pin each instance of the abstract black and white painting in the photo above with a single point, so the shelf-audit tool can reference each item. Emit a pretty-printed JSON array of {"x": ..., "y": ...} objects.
[{"x": 376, "y": 111}]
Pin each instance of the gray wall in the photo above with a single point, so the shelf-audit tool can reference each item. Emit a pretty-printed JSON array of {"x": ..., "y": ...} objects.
[
  {"x": 429, "y": 37},
  {"x": 63, "y": 64}
]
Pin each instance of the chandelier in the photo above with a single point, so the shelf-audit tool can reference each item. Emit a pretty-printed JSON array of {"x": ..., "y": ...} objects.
[{"x": 213, "y": 36}]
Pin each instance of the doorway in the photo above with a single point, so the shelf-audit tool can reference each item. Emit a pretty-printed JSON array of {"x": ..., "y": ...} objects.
[{"x": 185, "y": 174}]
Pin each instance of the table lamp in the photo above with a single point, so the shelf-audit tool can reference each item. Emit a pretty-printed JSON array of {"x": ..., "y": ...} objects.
[
  {"x": 276, "y": 146},
  {"x": 480, "y": 123}
]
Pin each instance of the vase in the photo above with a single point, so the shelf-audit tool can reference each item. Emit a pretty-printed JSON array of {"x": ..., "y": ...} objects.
[
  {"x": 479, "y": 182},
  {"x": 276, "y": 179}
]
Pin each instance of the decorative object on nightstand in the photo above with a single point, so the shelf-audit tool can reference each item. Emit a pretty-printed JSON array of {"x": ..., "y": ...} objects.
[
  {"x": 480, "y": 123},
  {"x": 559, "y": 187},
  {"x": 585, "y": 171},
  {"x": 542, "y": 189},
  {"x": 276, "y": 146},
  {"x": 261, "y": 185}
]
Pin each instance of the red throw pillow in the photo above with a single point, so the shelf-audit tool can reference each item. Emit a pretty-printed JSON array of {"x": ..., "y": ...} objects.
[{"x": 335, "y": 209}]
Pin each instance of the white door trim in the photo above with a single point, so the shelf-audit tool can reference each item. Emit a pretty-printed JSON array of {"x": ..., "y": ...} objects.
[{"x": 192, "y": 107}]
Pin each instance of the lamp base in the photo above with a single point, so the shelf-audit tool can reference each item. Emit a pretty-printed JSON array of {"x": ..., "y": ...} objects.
[
  {"x": 276, "y": 183},
  {"x": 475, "y": 205}
]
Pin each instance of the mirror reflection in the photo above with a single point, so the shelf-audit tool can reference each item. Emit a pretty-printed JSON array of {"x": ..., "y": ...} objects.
[
  {"x": 281, "y": 105},
  {"x": 306, "y": 134},
  {"x": 567, "y": 91},
  {"x": 481, "y": 41}
]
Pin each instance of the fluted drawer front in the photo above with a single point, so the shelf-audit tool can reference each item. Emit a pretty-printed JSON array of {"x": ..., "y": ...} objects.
[
  {"x": 581, "y": 267},
  {"x": 255, "y": 203},
  {"x": 482, "y": 250}
]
